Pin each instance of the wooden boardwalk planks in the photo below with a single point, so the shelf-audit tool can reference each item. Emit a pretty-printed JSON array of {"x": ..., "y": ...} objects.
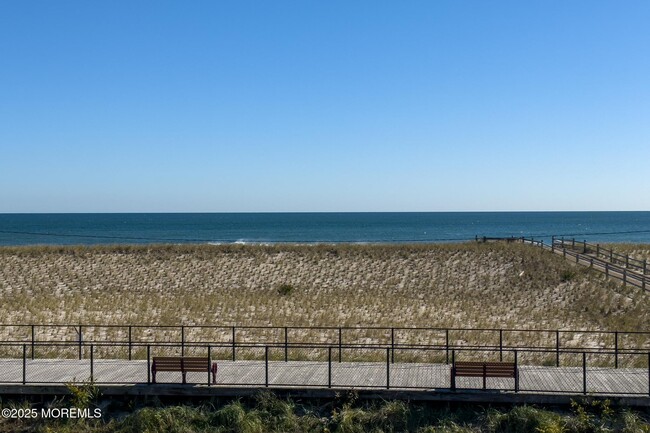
[{"x": 244, "y": 373}]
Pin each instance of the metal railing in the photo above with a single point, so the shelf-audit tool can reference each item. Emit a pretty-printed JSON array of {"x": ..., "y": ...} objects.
[
  {"x": 130, "y": 337},
  {"x": 600, "y": 372}
]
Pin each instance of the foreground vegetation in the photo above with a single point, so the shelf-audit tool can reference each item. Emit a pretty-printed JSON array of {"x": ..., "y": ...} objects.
[{"x": 266, "y": 414}]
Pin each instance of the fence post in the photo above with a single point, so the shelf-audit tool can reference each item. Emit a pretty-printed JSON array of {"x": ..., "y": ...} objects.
[
  {"x": 624, "y": 275},
  {"x": 645, "y": 266},
  {"x": 627, "y": 260},
  {"x": 233, "y": 344},
  {"x": 24, "y": 364},
  {"x": 286, "y": 344},
  {"x": 209, "y": 364},
  {"x": 516, "y": 373},
  {"x": 148, "y": 364},
  {"x": 501, "y": 345},
  {"x": 340, "y": 343},
  {"x": 453, "y": 376},
  {"x": 557, "y": 348},
  {"x": 591, "y": 262},
  {"x": 329, "y": 367},
  {"x": 615, "y": 349},
  {"x": 80, "y": 342},
  {"x": 392, "y": 345},
  {"x": 584, "y": 372},
  {"x": 130, "y": 342},
  {"x": 33, "y": 334},
  {"x": 92, "y": 363},
  {"x": 182, "y": 340},
  {"x": 584, "y": 247},
  {"x": 266, "y": 366},
  {"x": 387, "y": 368},
  {"x": 447, "y": 344},
  {"x": 606, "y": 269},
  {"x": 553, "y": 243}
]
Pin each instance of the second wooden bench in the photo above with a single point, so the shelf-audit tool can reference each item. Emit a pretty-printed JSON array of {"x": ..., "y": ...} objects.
[
  {"x": 485, "y": 370},
  {"x": 183, "y": 364}
]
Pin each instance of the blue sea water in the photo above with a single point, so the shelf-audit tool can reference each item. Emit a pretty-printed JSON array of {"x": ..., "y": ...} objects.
[{"x": 385, "y": 227}]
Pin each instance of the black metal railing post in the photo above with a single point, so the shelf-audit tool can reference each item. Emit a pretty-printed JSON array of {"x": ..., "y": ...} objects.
[
  {"x": 233, "y": 344},
  {"x": 286, "y": 344},
  {"x": 615, "y": 349},
  {"x": 24, "y": 364},
  {"x": 182, "y": 340},
  {"x": 266, "y": 366},
  {"x": 340, "y": 344},
  {"x": 453, "y": 376},
  {"x": 92, "y": 363},
  {"x": 130, "y": 343},
  {"x": 80, "y": 343},
  {"x": 557, "y": 348},
  {"x": 447, "y": 345},
  {"x": 501, "y": 345},
  {"x": 329, "y": 367},
  {"x": 209, "y": 364},
  {"x": 387, "y": 368},
  {"x": 33, "y": 338},
  {"x": 584, "y": 372},
  {"x": 392, "y": 345},
  {"x": 516, "y": 372},
  {"x": 148, "y": 364}
]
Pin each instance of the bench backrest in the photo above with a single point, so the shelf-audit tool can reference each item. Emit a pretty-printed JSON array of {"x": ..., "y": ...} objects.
[
  {"x": 489, "y": 369},
  {"x": 178, "y": 363}
]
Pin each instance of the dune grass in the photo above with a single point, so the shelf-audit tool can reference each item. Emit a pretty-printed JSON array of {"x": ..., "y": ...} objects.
[{"x": 454, "y": 285}]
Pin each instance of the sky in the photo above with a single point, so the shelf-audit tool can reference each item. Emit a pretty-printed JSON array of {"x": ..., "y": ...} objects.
[{"x": 290, "y": 106}]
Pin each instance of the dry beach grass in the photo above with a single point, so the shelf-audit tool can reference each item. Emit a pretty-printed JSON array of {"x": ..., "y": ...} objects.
[{"x": 456, "y": 285}]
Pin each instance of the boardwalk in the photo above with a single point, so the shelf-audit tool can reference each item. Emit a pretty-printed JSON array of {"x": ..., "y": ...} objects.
[{"x": 605, "y": 381}]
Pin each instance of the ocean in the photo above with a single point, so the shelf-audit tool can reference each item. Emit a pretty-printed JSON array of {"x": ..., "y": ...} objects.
[{"x": 269, "y": 228}]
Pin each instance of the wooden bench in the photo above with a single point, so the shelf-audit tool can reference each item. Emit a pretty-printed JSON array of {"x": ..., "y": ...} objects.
[
  {"x": 184, "y": 364},
  {"x": 484, "y": 370}
]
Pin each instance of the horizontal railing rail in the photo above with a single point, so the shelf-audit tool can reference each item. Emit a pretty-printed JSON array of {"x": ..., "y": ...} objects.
[{"x": 500, "y": 340}]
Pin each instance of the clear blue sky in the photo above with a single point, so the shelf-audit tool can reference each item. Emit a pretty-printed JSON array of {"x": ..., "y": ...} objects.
[{"x": 130, "y": 106}]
